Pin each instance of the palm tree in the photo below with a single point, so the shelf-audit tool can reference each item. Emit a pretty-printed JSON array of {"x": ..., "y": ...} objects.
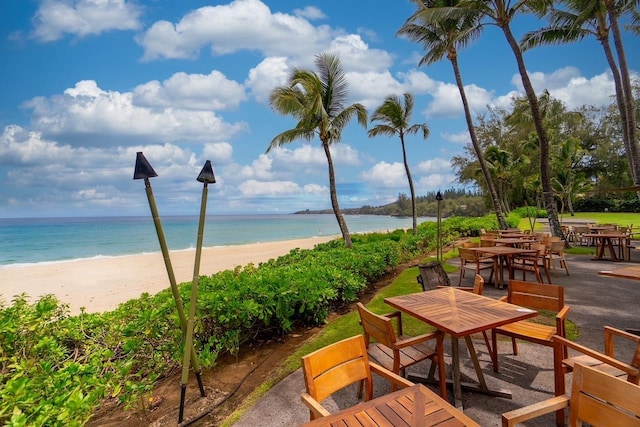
[
  {"x": 395, "y": 119},
  {"x": 441, "y": 37},
  {"x": 584, "y": 18},
  {"x": 501, "y": 13},
  {"x": 317, "y": 101}
]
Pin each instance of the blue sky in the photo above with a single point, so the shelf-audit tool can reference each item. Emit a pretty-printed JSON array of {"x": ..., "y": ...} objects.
[{"x": 85, "y": 84}]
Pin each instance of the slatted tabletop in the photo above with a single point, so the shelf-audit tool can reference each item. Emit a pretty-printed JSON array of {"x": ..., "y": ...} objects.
[
  {"x": 397, "y": 410},
  {"x": 457, "y": 312}
]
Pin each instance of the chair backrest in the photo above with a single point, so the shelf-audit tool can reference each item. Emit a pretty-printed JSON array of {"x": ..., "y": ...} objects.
[
  {"x": 601, "y": 399},
  {"x": 478, "y": 284},
  {"x": 470, "y": 244},
  {"x": 336, "y": 366},
  {"x": 468, "y": 254},
  {"x": 537, "y": 296},
  {"x": 376, "y": 326},
  {"x": 432, "y": 275},
  {"x": 609, "y": 340},
  {"x": 556, "y": 247},
  {"x": 487, "y": 242}
]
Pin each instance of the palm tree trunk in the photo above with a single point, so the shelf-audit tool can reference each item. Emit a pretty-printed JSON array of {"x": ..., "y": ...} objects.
[
  {"x": 414, "y": 209},
  {"x": 628, "y": 93},
  {"x": 620, "y": 100},
  {"x": 495, "y": 199},
  {"x": 334, "y": 198},
  {"x": 545, "y": 173}
]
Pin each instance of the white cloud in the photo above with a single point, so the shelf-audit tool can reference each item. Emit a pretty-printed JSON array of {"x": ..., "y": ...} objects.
[
  {"x": 269, "y": 74},
  {"x": 356, "y": 55},
  {"x": 191, "y": 91},
  {"x": 447, "y": 101},
  {"x": 436, "y": 181},
  {"x": 82, "y": 18},
  {"x": 310, "y": 12},
  {"x": 386, "y": 175},
  {"x": 220, "y": 152},
  {"x": 434, "y": 165},
  {"x": 461, "y": 138},
  {"x": 252, "y": 188},
  {"x": 241, "y": 24},
  {"x": 85, "y": 112}
]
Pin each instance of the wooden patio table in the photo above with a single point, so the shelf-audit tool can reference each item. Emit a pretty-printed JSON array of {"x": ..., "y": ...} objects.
[
  {"x": 516, "y": 236},
  {"x": 461, "y": 314},
  {"x": 503, "y": 256},
  {"x": 399, "y": 409},
  {"x": 630, "y": 272},
  {"x": 514, "y": 241},
  {"x": 605, "y": 240}
]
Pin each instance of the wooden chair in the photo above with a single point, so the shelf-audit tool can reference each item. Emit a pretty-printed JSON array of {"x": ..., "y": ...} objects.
[
  {"x": 432, "y": 275},
  {"x": 396, "y": 352},
  {"x": 471, "y": 260},
  {"x": 596, "y": 398},
  {"x": 532, "y": 263},
  {"x": 535, "y": 296},
  {"x": 606, "y": 362},
  {"x": 336, "y": 366},
  {"x": 556, "y": 253}
]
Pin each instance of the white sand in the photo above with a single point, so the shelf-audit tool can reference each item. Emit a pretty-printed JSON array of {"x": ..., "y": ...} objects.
[{"x": 102, "y": 284}]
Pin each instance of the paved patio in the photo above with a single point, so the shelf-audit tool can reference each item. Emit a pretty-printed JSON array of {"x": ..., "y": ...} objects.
[{"x": 595, "y": 301}]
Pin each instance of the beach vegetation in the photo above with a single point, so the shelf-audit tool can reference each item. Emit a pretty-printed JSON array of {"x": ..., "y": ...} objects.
[
  {"x": 317, "y": 100},
  {"x": 394, "y": 118}
]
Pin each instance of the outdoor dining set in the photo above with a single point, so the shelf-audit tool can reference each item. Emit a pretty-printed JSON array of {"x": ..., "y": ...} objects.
[{"x": 604, "y": 389}]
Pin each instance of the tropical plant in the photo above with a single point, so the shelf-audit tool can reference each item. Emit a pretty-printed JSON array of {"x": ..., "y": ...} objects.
[
  {"x": 317, "y": 101},
  {"x": 441, "y": 36},
  {"x": 395, "y": 118},
  {"x": 501, "y": 14},
  {"x": 583, "y": 18}
]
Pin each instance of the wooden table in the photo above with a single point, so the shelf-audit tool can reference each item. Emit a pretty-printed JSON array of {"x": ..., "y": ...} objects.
[
  {"x": 503, "y": 256},
  {"x": 631, "y": 272},
  {"x": 605, "y": 240},
  {"x": 398, "y": 409},
  {"x": 514, "y": 241},
  {"x": 461, "y": 314}
]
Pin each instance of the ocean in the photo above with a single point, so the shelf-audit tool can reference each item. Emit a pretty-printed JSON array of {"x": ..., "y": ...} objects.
[{"x": 45, "y": 240}]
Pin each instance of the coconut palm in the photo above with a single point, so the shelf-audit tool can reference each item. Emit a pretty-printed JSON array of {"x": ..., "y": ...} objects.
[
  {"x": 441, "y": 37},
  {"x": 501, "y": 13},
  {"x": 317, "y": 101},
  {"x": 395, "y": 118},
  {"x": 583, "y": 18}
]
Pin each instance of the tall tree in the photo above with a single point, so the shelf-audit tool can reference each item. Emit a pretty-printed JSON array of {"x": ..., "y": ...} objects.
[
  {"x": 441, "y": 36},
  {"x": 597, "y": 18},
  {"x": 317, "y": 101},
  {"x": 501, "y": 13},
  {"x": 395, "y": 119}
]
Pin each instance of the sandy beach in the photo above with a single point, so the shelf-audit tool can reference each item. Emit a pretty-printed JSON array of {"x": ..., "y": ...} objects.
[{"x": 101, "y": 284}]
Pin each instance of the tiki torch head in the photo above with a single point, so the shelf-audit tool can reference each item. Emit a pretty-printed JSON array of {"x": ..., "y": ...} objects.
[
  {"x": 143, "y": 169},
  {"x": 206, "y": 174}
]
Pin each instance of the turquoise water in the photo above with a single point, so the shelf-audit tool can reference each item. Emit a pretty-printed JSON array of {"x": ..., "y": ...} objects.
[{"x": 36, "y": 240}]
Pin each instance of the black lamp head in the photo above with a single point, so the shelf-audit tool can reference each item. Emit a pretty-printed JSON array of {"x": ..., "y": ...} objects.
[
  {"x": 438, "y": 196},
  {"x": 206, "y": 174},
  {"x": 143, "y": 168}
]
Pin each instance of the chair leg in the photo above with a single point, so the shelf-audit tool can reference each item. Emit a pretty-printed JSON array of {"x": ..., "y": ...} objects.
[
  {"x": 486, "y": 341},
  {"x": 514, "y": 345},
  {"x": 442, "y": 376},
  {"x": 494, "y": 350}
]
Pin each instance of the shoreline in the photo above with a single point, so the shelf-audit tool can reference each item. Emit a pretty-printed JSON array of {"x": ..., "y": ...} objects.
[{"x": 101, "y": 284}]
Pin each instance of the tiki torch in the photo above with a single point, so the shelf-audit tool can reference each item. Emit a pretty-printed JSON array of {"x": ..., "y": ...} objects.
[
  {"x": 206, "y": 177},
  {"x": 143, "y": 170}
]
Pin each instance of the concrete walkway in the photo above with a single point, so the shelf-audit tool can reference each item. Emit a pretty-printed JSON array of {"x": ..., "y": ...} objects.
[{"x": 595, "y": 301}]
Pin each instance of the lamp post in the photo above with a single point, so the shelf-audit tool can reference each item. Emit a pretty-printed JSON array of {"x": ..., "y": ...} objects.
[{"x": 439, "y": 242}]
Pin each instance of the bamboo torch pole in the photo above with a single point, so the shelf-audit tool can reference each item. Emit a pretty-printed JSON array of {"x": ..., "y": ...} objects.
[
  {"x": 206, "y": 176},
  {"x": 143, "y": 170}
]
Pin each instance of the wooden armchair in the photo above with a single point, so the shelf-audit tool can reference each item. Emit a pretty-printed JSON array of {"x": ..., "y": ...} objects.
[
  {"x": 556, "y": 253},
  {"x": 396, "y": 352},
  {"x": 606, "y": 362},
  {"x": 596, "y": 398},
  {"x": 532, "y": 262},
  {"x": 471, "y": 260},
  {"x": 535, "y": 296},
  {"x": 336, "y": 366}
]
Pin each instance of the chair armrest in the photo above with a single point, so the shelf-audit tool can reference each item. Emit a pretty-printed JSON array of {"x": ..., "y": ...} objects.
[
  {"x": 407, "y": 342},
  {"x": 608, "y": 330},
  {"x": 504, "y": 298},
  {"x": 313, "y": 405},
  {"x": 629, "y": 369},
  {"x": 398, "y": 317},
  {"x": 390, "y": 376},
  {"x": 548, "y": 406}
]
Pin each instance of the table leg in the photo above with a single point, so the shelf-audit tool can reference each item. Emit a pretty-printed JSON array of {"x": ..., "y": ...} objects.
[{"x": 455, "y": 365}]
